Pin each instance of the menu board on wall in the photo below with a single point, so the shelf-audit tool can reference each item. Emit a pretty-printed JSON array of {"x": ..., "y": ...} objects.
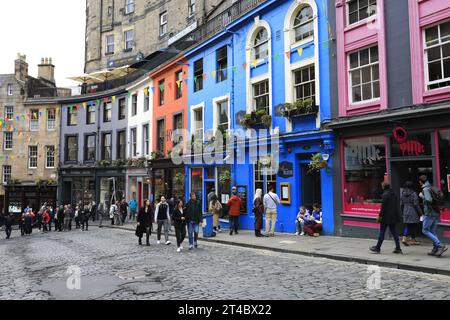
[{"x": 242, "y": 194}]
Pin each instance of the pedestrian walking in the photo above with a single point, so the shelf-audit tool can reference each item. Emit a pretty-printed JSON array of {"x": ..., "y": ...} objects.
[
  {"x": 145, "y": 222},
  {"x": 162, "y": 218},
  {"x": 215, "y": 208},
  {"x": 411, "y": 212},
  {"x": 22, "y": 223},
  {"x": 71, "y": 216},
  {"x": 46, "y": 220},
  {"x": 179, "y": 221},
  {"x": 9, "y": 219},
  {"x": 85, "y": 216},
  {"x": 39, "y": 216},
  {"x": 389, "y": 217},
  {"x": 258, "y": 210},
  {"x": 77, "y": 217},
  {"x": 100, "y": 212},
  {"x": 271, "y": 202},
  {"x": 133, "y": 208},
  {"x": 234, "y": 204},
  {"x": 29, "y": 217},
  {"x": 93, "y": 210},
  {"x": 123, "y": 208},
  {"x": 194, "y": 219},
  {"x": 431, "y": 199},
  {"x": 67, "y": 218}
]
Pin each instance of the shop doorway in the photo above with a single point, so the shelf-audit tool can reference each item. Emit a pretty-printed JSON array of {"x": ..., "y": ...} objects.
[
  {"x": 403, "y": 171},
  {"x": 311, "y": 186}
]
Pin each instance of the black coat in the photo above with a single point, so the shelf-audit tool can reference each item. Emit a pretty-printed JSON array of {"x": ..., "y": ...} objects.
[
  {"x": 145, "y": 220},
  {"x": 177, "y": 217},
  {"x": 390, "y": 208}
]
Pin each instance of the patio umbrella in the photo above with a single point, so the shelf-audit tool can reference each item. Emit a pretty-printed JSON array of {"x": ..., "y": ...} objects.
[
  {"x": 125, "y": 70},
  {"x": 106, "y": 74},
  {"x": 85, "y": 78}
]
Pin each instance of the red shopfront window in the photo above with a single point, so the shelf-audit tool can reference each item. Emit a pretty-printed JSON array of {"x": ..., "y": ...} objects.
[
  {"x": 444, "y": 164},
  {"x": 363, "y": 172}
]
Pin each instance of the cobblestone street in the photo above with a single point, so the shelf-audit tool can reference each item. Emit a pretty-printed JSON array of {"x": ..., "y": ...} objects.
[{"x": 113, "y": 266}]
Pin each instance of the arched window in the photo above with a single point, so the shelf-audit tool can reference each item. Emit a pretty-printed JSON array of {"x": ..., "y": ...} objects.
[
  {"x": 261, "y": 44},
  {"x": 304, "y": 24}
]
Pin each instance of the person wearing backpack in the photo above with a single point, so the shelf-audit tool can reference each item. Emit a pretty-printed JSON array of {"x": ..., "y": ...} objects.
[
  {"x": 271, "y": 201},
  {"x": 432, "y": 199}
]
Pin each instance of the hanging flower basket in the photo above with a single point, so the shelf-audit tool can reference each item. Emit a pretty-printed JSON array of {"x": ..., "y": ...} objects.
[
  {"x": 317, "y": 163},
  {"x": 179, "y": 179},
  {"x": 225, "y": 177}
]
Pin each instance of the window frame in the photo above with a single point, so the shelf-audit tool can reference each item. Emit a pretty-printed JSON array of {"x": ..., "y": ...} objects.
[
  {"x": 197, "y": 129},
  {"x": 33, "y": 157},
  {"x": 109, "y": 45},
  {"x": 370, "y": 65},
  {"x": 87, "y": 148},
  {"x": 163, "y": 24},
  {"x": 72, "y": 117},
  {"x": 191, "y": 8},
  {"x": 91, "y": 110},
  {"x": 161, "y": 93},
  {"x": 440, "y": 45},
  {"x": 51, "y": 111},
  {"x": 266, "y": 182},
  {"x": 146, "y": 139},
  {"x": 147, "y": 99},
  {"x": 179, "y": 89},
  {"x": 347, "y": 12},
  {"x": 134, "y": 105},
  {"x": 9, "y": 89},
  {"x": 122, "y": 109},
  {"x": 198, "y": 74},
  {"x": 160, "y": 140},
  {"x": 120, "y": 148},
  {"x": 259, "y": 45},
  {"x": 104, "y": 134},
  {"x": 8, "y": 113},
  {"x": 4, "y": 174},
  {"x": 255, "y": 97},
  {"x": 34, "y": 120},
  {"x": 50, "y": 157},
  {"x": 6, "y": 141},
  {"x": 129, "y": 6},
  {"x": 133, "y": 142},
  {"x": 222, "y": 74},
  {"x": 129, "y": 43},
  {"x": 309, "y": 82},
  {"x": 107, "y": 112},
  {"x": 66, "y": 148},
  {"x": 297, "y": 26}
]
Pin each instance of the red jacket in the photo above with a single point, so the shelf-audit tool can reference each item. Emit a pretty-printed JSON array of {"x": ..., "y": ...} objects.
[
  {"x": 46, "y": 217},
  {"x": 235, "y": 206}
]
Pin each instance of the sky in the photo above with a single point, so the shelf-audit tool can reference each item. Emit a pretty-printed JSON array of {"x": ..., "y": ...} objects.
[{"x": 44, "y": 28}]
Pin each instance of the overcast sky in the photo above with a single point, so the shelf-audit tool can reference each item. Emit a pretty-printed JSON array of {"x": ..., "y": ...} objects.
[{"x": 44, "y": 28}]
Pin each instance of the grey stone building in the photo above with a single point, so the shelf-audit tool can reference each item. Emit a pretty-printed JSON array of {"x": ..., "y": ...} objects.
[
  {"x": 29, "y": 131},
  {"x": 117, "y": 30}
]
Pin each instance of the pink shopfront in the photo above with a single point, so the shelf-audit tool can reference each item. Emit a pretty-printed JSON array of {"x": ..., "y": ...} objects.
[{"x": 397, "y": 157}]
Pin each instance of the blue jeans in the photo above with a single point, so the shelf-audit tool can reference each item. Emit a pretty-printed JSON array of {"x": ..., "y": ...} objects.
[
  {"x": 193, "y": 230},
  {"x": 234, "y": 224},
  {"x": 430, "y": 225}
]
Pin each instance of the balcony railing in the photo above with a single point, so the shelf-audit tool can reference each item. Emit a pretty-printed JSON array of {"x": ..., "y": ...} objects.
[{"x": 219, "y": 22}]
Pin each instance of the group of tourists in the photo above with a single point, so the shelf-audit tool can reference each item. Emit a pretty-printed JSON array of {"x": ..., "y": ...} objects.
[
  {"x": 182, "y": 216},
  {"x": 410, "y": 213},
  {"x": 60, "y": 218}
]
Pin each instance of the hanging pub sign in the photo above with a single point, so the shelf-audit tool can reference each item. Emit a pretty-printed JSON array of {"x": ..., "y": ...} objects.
[
  {"x": 410, "y": 145},
  {"x": 286, "y": 170}
]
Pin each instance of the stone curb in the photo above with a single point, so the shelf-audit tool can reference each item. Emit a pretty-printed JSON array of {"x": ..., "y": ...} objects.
[{"x": 392, "y": 265}]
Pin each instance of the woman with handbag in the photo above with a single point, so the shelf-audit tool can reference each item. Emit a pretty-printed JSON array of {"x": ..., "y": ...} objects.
[
  {"x": 411, "y": 211},
  {"x": 258, "y": 210},
  {"x": 144, "y": 222},
  {"x": 179, "y": 221}
]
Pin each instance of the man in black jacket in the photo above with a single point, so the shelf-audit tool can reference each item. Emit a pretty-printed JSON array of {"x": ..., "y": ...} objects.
[
  {"x": 9, "y": 219},
  {"x": 389, "y": 217}
]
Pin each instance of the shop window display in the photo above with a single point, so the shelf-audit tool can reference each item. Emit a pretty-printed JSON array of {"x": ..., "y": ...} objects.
[
  {"x": 364, "y": 171},
  {"x": 444, "y": 161}
]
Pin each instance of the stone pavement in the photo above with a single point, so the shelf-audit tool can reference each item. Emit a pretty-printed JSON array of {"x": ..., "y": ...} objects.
[{"x": 415, "y": 258}]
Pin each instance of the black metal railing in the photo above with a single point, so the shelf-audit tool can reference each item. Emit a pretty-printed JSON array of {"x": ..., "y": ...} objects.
[{"x": 219, "y": 22}]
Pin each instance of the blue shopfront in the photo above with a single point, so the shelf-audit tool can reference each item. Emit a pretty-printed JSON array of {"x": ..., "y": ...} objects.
[{"x": 268, "y": 70}]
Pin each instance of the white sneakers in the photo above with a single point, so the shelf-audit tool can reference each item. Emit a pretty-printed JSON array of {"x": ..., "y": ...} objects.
[
  {"x": 158, "y": 242},
  {"x": 168, "y": 243},
  {"x": 302, "y": 234},
  {"x": 297, "y": 233},
  {"x": 179, "y": 250}
]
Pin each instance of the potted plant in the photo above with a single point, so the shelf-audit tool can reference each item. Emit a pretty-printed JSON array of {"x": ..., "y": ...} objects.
[
  {"x": 299, "y": 108},
  {"x": 317, "y": 163},
  {"x": 119, "y": 163},
  {"x": 104, "y": 163},
  {"x": 258, "y": 117}
]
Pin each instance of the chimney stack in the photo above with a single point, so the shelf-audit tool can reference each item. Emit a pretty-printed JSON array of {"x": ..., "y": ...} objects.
[
  {"x": 46, "y": 70},
  {"x": 21, "y": 67}
]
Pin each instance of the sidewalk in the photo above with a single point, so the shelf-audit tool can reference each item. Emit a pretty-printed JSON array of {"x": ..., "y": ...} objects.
[{"x": 415, "y": 258}]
